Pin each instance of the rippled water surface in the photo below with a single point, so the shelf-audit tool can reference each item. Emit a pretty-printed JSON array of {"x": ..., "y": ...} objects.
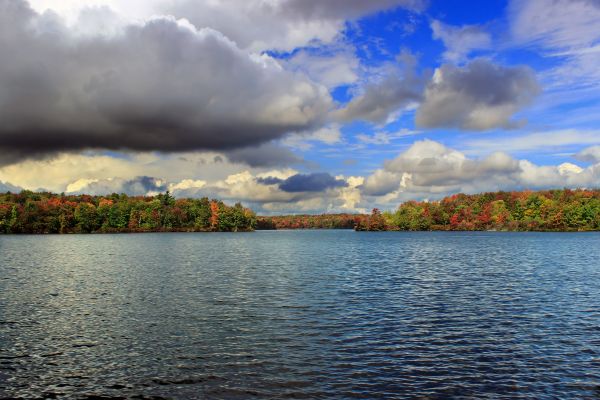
[{"x": 301, "y": 314}]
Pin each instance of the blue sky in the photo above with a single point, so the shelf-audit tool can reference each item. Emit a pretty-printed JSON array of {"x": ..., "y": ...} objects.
[{"x": 371, "y": 102}]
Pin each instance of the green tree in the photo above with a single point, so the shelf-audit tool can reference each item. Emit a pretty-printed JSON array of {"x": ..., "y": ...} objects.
[{"x": 86, "y": 217}]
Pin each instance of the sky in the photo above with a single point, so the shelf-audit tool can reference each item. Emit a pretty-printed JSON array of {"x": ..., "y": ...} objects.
[{"x": 299, "y": 106}]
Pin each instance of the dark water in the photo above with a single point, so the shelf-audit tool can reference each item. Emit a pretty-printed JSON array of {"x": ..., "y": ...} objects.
[{"x": 301, "y": 314}]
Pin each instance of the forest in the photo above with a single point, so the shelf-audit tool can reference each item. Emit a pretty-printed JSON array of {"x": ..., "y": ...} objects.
[
  {"x": 307, "y": 221},
  {"x": 29, "y": 212},
  {"x": 550, "y": 210}
]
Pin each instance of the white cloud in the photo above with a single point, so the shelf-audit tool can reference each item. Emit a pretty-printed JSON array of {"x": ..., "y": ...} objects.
[
  {"x": 537, "y": 141},
  {"x": 394, "y": 87},
  {"x": 590, "y": 154},
  {"x": 79, "y": 185},
  {"x": 381, "y": 138},
  {"x": 556, "y": 24},
  {"x": 186, "y": 184},
  {"x": 329, "y": 135},
  {"x": 138, "y": 186},
  {"x": 460, "y": 40},
  {"x": 376, "y": 138},
  {"x": 280, "y": 24},
  {"x": 72, "y": 172},
  {"x": 255, "y": 25},
  {"x": 332, "y": 69},
  {"x": 429, "y": 169},
  {"x": 186, "y": 174},
  {"x": 565, "y": 29}
]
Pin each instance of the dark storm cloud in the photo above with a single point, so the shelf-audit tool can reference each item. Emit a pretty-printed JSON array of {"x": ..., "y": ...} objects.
[
  {"x": 311, "y": 183},
  {"x": 479, "y": 96},
  {"x": 269, "y": 180},
  {"x": 266, "y": 155},
  {"x": 160, "y": 85}
]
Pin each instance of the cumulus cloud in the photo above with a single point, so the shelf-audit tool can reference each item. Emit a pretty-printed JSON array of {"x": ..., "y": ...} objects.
[
  {"x": 281, "y": 24},
  {"x": 187, "y": 184},
  {"x": 138, "y": 186},
  {"x": 256, "y": 25},
  {"x": 382, "y": 182},
  {"x": 160, "y": 84},
  {"x": 64, "y": 169},
  {"x": 328, "y": 135},
  {"x": 185, "y": 175},
  {"x": 429, "y": 169},
  {"x": 433, "y": 164},
  {"x": 590, "y": 154},
  {"x": 285, "y": 191},
  {"x": 426, "y": 170},
  {"x": 460, "y": 40},
  {"x": 479, "y": 96},
  {"x": 396, "y": 86}
]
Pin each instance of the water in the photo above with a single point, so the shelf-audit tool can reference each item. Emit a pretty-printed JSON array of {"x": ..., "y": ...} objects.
[{"x": 301, "y": 314}]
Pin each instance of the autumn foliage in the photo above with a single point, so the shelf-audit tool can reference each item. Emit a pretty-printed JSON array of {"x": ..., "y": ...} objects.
[
  {"x": 550, "y": 210},
  {"x": 374, "y": 222},
  {"x": 323, "y": 221},
  {"x": 29, "y": 212}
]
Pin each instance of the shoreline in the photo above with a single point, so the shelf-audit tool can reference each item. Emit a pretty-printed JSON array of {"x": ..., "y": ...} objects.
[{"x": 289, "y": 230}]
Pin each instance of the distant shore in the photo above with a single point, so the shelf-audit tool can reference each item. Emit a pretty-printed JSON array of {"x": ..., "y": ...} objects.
[{"x": 561, "y": 210}]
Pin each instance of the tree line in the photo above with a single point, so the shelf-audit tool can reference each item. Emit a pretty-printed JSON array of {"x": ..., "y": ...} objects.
[
  {"x": 306, "y": 221},
  {"x": 549, "y": 210},
  {"x": 29, "y": 212}
]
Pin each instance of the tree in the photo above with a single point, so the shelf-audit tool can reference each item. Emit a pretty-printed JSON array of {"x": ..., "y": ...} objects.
[
  {"x": 214, "y": 215},
  {"x": 376, "y": 221},
  {"x": 85, "y": 217}
]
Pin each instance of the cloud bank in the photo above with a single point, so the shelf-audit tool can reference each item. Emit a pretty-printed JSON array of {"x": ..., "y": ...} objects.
[
  {"x": 426, "y": 170},
  {"x": 429, "y": 169},
  {"x": 138, "y": 186}
]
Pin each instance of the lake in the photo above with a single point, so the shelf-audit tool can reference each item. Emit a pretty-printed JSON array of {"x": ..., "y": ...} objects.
[{"x": 301, "y": 314}]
